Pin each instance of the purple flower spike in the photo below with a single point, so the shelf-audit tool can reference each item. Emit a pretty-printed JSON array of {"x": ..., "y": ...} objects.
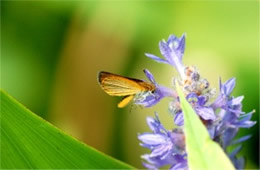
[{"x": 223, "y": 117}]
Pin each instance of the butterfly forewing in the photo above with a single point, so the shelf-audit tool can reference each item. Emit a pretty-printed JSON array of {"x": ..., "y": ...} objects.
[{"x": 116, "y": 85}]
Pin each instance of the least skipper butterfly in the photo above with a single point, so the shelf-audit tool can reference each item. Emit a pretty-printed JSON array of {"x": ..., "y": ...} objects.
[{"x": 129, "y": 88}]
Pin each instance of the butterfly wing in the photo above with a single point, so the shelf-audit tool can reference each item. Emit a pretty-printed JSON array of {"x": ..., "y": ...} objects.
[
  {"x": 116, "y": 85},
  {"x": 125, "y": 101}
]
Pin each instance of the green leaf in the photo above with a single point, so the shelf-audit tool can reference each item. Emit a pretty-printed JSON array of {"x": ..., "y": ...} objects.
[
  {"x": 203, "y": 153},
  {"x": 29, "y": 142}
]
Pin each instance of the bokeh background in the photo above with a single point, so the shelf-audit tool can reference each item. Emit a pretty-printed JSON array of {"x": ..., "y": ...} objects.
[{"x": 51, "y": 52}]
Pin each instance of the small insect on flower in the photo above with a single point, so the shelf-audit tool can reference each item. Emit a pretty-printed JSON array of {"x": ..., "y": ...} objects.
[{"x": 130, "y": 88}]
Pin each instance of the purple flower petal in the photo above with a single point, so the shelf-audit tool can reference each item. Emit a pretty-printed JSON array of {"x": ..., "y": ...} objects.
[
  {"x": 206, "y": 113},
  {"x": 155, "y": 124},
  {"x": 202, "y": 100},
  {"x": 179, "y": 166},
  {"x": 244, "y": 121},
  {"x": 222, "y": 113},
  {"x": 181, "y": 47},
  {"x": 150, "y": 76},
  {"x": 146, "y": 145},
  {"x": 212, "y": 131},
  {"x": 166, "y": 51},
  {"x": 181, "y": 163},
  {"x": 240, "y": 163},
  {"x": 235, "y": 151},
  {"x": 240, "y": 140},
  {"x": 172, "y": 38},
  {"x": 157, "y": 161},
  {"x": 229, "y": 86},
  {"x": 236, "y": 112},
  {"x": 245, "y": 124},
  {"x": 151, "y": 160},
  {"x": 166, "y": 92},
  {"x": 161, "y": 150},
  {"x": 177, "y": 45},
  {"x": 178, "y": 119},
  {"x": 237, "y": 100},
  {"x": 246, "y": 117},
  {"x": 220, "y": 102},
  {"x": 158, "y": 59},
  {"x": 149, "y": 166},
  {"x": 152, "y": 139},
  {"x": 228, "y": 136},
  {"x": 229, "y": 118}
]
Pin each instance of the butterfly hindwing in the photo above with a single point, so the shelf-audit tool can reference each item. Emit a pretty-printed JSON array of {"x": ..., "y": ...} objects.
[{"x": 125, "y": 101}]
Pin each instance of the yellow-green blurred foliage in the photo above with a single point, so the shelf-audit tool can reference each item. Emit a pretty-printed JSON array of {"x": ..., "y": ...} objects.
[{"x": 51, "y": 53}]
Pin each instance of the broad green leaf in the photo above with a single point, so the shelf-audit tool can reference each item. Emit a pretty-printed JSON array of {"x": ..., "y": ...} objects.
[
  {"x": 203, "y": 153},
  {"x": 29, "y": 142}
]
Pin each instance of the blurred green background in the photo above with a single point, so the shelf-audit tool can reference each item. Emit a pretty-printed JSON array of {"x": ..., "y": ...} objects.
[{"x": 51, "y": 52}]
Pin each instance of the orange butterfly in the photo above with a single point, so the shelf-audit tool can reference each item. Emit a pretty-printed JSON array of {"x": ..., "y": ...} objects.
[{"x": 116, "y": 85}]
